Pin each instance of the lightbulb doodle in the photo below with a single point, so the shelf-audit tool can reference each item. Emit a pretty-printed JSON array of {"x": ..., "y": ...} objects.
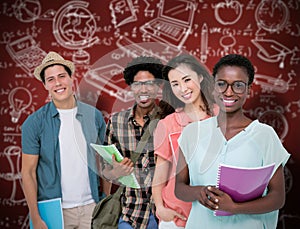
[{"x": 19, "y": 99}]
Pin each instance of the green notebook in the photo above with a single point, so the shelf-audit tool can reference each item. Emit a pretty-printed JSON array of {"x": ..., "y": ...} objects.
[{"x": 106, "y": 151}]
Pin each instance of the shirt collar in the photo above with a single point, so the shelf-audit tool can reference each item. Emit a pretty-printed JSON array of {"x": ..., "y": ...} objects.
[
  {"x": 182, "y": 118},
  {"x": 54, "y": 111}
]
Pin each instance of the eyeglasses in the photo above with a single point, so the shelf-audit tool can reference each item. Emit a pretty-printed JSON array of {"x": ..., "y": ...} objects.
[
  {"x": 238, "y": 87},
  {"x": 137, "y": 85}
]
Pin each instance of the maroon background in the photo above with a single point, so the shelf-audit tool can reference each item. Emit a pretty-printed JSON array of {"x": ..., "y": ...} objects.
[{"x": 89, "y": 33}]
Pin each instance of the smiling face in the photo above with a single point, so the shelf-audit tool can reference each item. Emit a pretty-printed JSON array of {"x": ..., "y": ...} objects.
[
  {"x": 230, "y": 101},
  {"x": 59, "y": 85},
  {"x": 144, "y": 89},
  {"x": 185, "y": 84}
]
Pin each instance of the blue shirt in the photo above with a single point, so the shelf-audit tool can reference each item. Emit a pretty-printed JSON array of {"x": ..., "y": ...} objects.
[{"x": 40, "y": 133}]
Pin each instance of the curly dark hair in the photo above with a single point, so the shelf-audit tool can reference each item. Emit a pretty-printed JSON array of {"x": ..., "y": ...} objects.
[
  {"x": 235, "y": 60},
  {"x": 143, "y": 63},
  {"x": 196, "y": 66}
]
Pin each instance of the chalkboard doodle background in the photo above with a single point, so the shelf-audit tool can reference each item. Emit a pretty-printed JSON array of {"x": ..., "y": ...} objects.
[{"x": 102, "y": 36}]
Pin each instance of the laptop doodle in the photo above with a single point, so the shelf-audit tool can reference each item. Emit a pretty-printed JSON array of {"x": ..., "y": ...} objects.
[{"x": 173, "y": 23}]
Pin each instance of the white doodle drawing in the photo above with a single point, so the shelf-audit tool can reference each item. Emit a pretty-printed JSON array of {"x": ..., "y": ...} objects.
[
  {"x": 227, "y": 42},
  {"x": 148, "y": 13},
  {"x": 273, "y": 84},
  {"x": 295, "y": 58},
  {"x": 294, "y": 108},
  {"x": 159, "y": 50},
  {"x": 13, "y": 156},
  {"x": 204, "y": 43},
  {"x": 19, "y": 100},
  {"x": 271, "y": 51},
  {"x": 288, "y": 177},
  {"x": 228, "y": 12},
  {"x": 286, "y": 219},
  {"x": 109, "y": 79},
  {"x": 134, "y": 50},
  {"x": 25, "y": 224},
  {"x": 27, "y": 10},
  {"x": 276, "y": 119},
  {"x": 250, "y": 5},
  {"x": 122, "y": 12},
  {"x": 265, "y": 98},
  {"x": 12, "y": 134},
  {"x": 74, "y": 28},
  {"x": 48, "y": 15},
  {"x": 272, "y": 15},
  {"x": 173, "y": 23},
  {"x": 26, "y": 53}
]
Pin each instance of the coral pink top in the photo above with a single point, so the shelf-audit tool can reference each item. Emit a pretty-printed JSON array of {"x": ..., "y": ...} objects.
[{"x": 165, "y": 138}]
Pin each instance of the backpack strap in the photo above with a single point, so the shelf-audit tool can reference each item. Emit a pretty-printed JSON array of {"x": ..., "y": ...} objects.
[
  {"x": 141, "y": 145},
  {"x": 144, "y": 139}
]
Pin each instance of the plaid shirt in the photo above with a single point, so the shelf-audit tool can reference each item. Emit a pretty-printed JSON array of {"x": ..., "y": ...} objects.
[{"x": 125, "y": 133}]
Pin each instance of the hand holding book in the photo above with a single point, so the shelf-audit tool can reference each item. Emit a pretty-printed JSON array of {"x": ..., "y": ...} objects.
[
  {"x": 107, "y": 152},
  {"x": 243, "y": 184},
  {"x": 51, "y": 213}
]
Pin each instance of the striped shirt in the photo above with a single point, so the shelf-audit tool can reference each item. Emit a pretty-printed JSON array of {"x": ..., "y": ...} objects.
[{"x": 123, "y": 131}]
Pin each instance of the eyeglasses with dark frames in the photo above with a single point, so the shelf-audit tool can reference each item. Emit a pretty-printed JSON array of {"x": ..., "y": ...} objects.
[
  {"x": 149, "y": 84},
  {"x": 238, "y": 87}
]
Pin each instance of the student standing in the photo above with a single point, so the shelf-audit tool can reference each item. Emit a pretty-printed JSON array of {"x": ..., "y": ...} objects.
[
  {"x": 125, "y": 129},
  {"x": 233, "y": 139},
  {"x": 57, "y": 161},
  {"x": 188, "y": 88}
]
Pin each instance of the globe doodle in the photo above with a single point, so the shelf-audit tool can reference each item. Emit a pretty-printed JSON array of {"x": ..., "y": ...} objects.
[{"x": 74, "y": 26}]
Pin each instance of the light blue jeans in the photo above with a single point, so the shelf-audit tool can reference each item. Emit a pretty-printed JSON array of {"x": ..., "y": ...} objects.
[{"x": 152, "y": 224}]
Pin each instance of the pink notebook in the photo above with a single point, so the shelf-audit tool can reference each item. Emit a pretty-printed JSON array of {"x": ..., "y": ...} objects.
[
  {"x": 173, "y": 138},
  {"x": 243, "y": 184}
]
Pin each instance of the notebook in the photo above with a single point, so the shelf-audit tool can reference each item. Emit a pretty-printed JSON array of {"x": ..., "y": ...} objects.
[
  {"x": 243, "y": 184},
  {"x": 173, "y": 138},
  {"x": 51, "y": 213},
  {"x": 106, "y": 151}
]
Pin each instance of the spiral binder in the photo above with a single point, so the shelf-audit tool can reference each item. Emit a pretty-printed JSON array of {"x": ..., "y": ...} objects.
[{"x": 242, "y": 183}]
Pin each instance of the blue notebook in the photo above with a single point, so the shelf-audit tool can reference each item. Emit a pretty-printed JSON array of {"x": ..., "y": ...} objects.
[{"x": 51, "y": 213}]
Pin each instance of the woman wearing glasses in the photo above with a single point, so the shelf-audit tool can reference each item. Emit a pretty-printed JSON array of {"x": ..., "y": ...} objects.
[
  {"x": 234, "y": 139},
  {"x": 188, "y": 89}
]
